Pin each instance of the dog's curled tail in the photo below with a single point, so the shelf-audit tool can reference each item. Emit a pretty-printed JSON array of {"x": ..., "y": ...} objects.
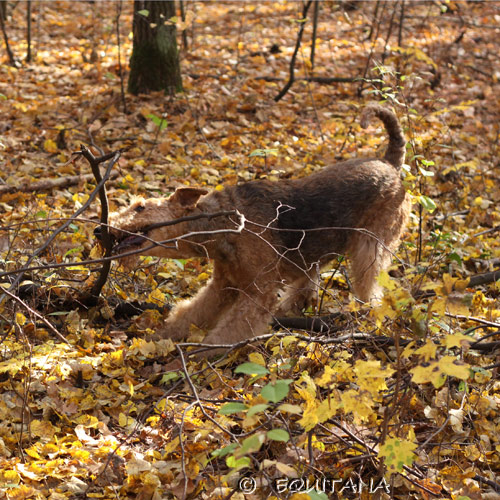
[{"x": 395, "y": 153}]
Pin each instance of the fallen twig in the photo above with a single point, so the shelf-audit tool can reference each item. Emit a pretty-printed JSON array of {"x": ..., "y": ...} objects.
[
  {"x": 48, "y": 184},
  {"x": 484, "y": 278}
]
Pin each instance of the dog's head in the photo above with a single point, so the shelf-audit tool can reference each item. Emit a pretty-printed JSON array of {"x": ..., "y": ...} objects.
[{"x": 149, "y": 225}]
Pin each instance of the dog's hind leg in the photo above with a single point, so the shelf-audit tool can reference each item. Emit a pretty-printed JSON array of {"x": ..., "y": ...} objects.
[{"x": 368, "y": 258}]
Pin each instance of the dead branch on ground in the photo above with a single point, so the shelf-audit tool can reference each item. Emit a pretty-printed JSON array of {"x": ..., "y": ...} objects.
[{"x": 48, "y": 184}]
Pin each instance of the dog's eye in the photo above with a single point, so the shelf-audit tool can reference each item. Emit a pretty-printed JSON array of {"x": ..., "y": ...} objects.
[{"x": 139, "y": 208}]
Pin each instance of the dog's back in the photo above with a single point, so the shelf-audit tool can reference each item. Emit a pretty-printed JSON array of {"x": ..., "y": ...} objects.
[{"x": 314, "y": 218}]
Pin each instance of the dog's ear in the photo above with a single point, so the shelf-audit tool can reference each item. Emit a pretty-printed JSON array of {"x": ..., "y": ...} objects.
[{"x": 187, "y": 196}]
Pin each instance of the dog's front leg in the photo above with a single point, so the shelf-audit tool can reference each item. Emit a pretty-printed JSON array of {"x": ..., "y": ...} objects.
[
  {"x": 249, "y": 315},
  {"x": 203, "y": 310}
]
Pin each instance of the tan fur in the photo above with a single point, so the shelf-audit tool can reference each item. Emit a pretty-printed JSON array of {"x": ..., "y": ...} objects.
[{"x": 277, "y": 238}]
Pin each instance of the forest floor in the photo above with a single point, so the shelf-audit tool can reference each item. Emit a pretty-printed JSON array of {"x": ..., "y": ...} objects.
[{"x": 400, "y": 400}]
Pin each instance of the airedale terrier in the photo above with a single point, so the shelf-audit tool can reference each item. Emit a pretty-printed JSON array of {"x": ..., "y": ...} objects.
[{"x": 265, "y": 237}]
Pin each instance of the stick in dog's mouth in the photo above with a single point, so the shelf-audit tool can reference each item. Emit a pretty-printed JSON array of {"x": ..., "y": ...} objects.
[{"x": 128, "y": 242}]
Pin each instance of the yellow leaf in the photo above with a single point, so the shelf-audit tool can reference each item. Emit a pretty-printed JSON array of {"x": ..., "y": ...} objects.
[
  {"x": 310, "y": 417},
  {"x": 172, "y": 446},
  {"x": 371, "y": 375},
  {"x": 397, "y": 453},
  {"x": 327, "y": 377},
  {"x": 430, "y": 373},
  {"x": 448, "y": 282},
  {"x": 472, "y": 453},
  {"x": 122, "y": 420},
  {"x": 427, "y": 351},
  {"x": 43, "y": 429},
  {"x": 359, "y": 404},
  {"x": 439, "y": 306},
  {"x": 32, "y": 452},
  {"x": 449, "y": 366},
  {"x": 456, "y": 340},
  {"x": 300, "y": 496},
  {"x": 385, "y": 281},
  {"x": 50, "y": 146},
  {"x": 96, "y": 252},
  {"x": 157, "y": 297},
  {"x": 20, "y": 319},
  {"x": 327, "y": 409},
  {"x": 11, "y": 476},
  {"x": 408, "y": 350},
  {"x": 76, "y": 268},
  {"x": 310, "y": 386},
  {"x": 257, "y": 358},
  {"x": 21, "y": 492}
]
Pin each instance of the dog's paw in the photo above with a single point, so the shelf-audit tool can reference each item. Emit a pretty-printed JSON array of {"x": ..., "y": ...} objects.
[{"x": 174, "y": 331}]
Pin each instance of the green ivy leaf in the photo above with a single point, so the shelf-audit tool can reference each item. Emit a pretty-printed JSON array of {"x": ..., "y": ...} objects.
[
  {"x": 225, "y": 451},
  {"x": 278, "y": 435},
  {"x": 277, "y": 391},
  {"x": 317, "y": 495},
  {"x": 237, "y": 463},
  {"x": 251, "y": 369},
  {"x": 230, "y": 408},
  {"x": 427, "y": 203},
  {"x": 250, "y": 445},
  {"x": 161, "y": 123},
  {"x": 257, "y": 409},
  {"x": 171, "y": 376}
]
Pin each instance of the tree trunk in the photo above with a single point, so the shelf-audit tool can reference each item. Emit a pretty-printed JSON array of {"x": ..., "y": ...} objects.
[{"x": 154, "y": 64}]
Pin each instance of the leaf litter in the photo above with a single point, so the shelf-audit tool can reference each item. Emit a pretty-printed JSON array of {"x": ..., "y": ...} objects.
[{"x": 113, "y": 414}]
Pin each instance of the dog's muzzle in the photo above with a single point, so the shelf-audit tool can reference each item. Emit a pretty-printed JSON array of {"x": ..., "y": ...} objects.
[
  {"x": 126, "y": 242},
  {"x": 120, "y": 244},
  {"x": 133, "y": 240}
]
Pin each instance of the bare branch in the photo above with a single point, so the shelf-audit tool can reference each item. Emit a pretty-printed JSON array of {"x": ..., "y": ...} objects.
[
  {"x": 93, "y": 295},
  {"x": 47, "y": 184},
  {"x": 291, "y": 79}
]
